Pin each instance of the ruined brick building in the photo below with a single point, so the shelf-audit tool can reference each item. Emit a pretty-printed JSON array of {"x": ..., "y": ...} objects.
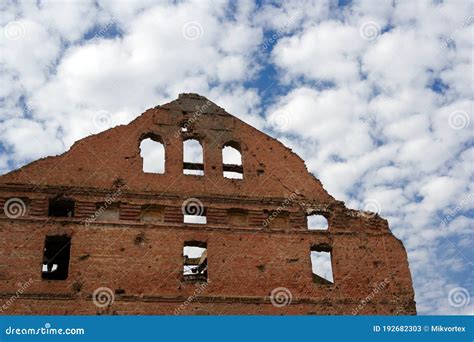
[{"x": 92, "y": 231}]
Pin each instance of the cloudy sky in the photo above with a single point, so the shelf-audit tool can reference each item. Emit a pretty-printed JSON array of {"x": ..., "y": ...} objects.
[{"x": 376, "y": 96}]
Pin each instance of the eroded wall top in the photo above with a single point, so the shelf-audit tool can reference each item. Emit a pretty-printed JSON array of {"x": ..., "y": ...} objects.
[{"x": 113, "y": 157}]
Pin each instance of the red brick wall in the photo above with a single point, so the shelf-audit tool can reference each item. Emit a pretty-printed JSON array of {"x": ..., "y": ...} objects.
[{"x": 142, "y": 262}]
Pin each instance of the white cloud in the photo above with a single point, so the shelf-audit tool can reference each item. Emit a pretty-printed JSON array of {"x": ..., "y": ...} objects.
[{"x": 361, "y": 112}]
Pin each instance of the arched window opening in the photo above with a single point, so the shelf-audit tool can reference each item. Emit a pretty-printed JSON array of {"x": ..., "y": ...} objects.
[
  {"x": 152, "y": 152},
  {"x": 317, "y": 222},
  {"x": 193, "y": 158},
  {"x": 232, "y": 161}
]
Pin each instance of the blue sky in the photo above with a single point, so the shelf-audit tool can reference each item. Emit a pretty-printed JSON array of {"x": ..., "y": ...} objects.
[{"x": 376, "y": 96}]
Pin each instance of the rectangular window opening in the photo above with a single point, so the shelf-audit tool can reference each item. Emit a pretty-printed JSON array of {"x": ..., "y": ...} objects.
[
  {"x": 321, "y": 264},
  {"x": 61, "y": 207},
  {"x": 316, "y": 221},
  {"x": 195, "y": 261},
  {"x": 56, "y": 254},
  {"x": 198, "y": 218}
]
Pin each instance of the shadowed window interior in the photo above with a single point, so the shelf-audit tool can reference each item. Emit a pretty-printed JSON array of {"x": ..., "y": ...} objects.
[
  {"x": 152, "y": 152},
  {"x": 317, "y": 222},
  {"x": 56, "y": 255},
  {"x": 193, "y": 158},
  {"x": 195, "y": 261},
  {"x": 61, "y": 207},
  {"x": 321, "y": 265},
  {"x": 232, "y": 161}
]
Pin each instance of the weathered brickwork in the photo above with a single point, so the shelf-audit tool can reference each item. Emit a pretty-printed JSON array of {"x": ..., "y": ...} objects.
[{"x": 127, "y": 233}]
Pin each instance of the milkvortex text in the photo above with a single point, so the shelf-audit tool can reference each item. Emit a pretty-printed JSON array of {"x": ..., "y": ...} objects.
[{"x": 46, "y": 330}]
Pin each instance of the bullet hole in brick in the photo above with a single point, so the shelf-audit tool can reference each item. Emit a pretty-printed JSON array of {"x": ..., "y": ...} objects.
[
  {"x": 184, "y": 127},
  {"x": 317, "y": 222},
  {"x": 152, "y": 213},
  {"x": 61, "y": 207},
  {"x": 84, "y": 257},
  {"x": 237, "y": 217},
  {"x": 56, "y": 256},
  {"x": 77, "y": 287},
  {"x": 195, "y": 261},
  {"x": 261, "y": 268},
  {"x": 140, "y": 239},
  {"x": 152, "y": 152},
  {"x": 119, "y": 291},
  {"x": 193, "y": 158},
  {"x": 232, "y": 161},
  {"x": 260, "y": 172},
  {"x": 321, "y": 264}
]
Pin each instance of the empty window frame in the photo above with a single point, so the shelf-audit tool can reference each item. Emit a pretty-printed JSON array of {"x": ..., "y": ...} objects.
[
  {"x": 195, "y": 261},
  {"x": 193, "y": 158},
  {"x": 61, "y": 207},
  {"x": 152, "y": 152},
  {"x": 232, "y": 161},
  {"x": 56, "y": 254},
  {"x": 321, "y": 264},
  {"x": 317, "y": 222},
  {"x": 152, "y": 213}
]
